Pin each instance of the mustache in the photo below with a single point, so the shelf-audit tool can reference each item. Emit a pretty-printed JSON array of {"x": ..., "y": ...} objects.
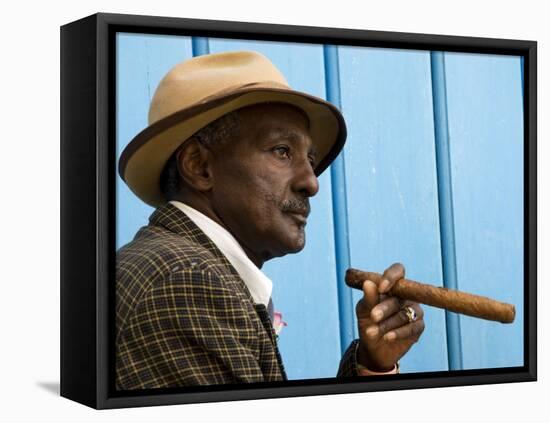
[{"x": 296, "y": 206}]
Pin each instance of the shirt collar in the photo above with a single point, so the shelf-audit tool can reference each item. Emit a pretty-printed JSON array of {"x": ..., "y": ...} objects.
[{"x": 259, "y": 285}]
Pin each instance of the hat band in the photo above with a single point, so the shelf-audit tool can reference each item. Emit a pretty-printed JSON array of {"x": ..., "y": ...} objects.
[{"x": 238, "y": 87}]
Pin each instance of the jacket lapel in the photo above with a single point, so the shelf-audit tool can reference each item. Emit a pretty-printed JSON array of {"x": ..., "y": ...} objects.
[{"x": 263, "y": 314}]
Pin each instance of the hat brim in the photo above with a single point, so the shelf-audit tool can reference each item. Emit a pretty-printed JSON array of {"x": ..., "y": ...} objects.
[{"x": 144, "y": 158}]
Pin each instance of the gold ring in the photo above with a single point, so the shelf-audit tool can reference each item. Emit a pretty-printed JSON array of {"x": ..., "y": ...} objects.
[{"x": 411, "y": 314}]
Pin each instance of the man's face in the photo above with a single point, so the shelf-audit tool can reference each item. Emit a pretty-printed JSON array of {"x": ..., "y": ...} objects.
[{"x": 263, "y": 181}]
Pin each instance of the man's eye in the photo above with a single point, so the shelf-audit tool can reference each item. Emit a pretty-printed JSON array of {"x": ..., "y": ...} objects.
[{"x": 282, "y": 151}]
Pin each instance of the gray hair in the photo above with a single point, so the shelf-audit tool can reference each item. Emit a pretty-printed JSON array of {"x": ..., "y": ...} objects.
[{"x": 216, "y": 133}]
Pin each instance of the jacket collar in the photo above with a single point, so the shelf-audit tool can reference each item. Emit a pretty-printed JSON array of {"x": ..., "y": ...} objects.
[{"x": 173, "y": 219}]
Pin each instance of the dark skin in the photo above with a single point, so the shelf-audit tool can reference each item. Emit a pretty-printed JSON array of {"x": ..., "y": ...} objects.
[{"x": 258, "y": 187}]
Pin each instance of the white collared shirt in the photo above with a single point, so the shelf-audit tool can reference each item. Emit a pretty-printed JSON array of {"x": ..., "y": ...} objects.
[{"x": 259, "y": 285}]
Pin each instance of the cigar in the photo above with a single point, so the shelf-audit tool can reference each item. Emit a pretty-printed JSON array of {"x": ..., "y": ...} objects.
[{"x": 448, "y": 299}]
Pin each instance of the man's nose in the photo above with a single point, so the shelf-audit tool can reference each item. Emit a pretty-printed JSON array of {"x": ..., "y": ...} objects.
[{"x": 306, "y": 181}]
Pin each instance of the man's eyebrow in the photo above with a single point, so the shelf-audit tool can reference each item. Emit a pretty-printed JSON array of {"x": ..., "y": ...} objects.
[
  {"x": 295, "y": 137},
  {"x": 287, "y": 133}
]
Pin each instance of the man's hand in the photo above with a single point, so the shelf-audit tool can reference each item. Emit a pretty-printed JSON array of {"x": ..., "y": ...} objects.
[{"x": 384, "y": 328}]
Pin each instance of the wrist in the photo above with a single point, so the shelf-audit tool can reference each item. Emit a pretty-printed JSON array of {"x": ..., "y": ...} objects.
[{"x": 365, "y": 363}]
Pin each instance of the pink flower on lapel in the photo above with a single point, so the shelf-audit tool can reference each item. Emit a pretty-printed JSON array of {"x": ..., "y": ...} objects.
[{"x": 278, "y": 322}]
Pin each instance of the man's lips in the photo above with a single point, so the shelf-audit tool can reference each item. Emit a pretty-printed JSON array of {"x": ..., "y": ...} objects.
[{"x": 299, "y": 217}]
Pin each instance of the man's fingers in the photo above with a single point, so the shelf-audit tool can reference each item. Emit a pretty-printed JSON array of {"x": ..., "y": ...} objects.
[
  {"x": 412, "y": 330},
  {"x": 391, "y": 275},
  {"x": 400, "y": 318},
  {"x": 385, "y": 309},
  {"x": 370, "y": 295},
  {"x": 369, "y": 300}
]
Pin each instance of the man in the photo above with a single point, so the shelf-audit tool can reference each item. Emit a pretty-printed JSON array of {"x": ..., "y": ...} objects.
[{"x": 230, "y": 160}]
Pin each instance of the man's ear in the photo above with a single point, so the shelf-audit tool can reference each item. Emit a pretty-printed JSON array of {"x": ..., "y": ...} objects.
[{"x": 194, "y": 165}]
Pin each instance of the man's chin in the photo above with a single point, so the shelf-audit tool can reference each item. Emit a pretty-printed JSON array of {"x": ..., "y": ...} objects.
[
  {"x": 290, "y": 248},
  {"x": 297, "y": 249},
  {"x": 296, "y": 245}
]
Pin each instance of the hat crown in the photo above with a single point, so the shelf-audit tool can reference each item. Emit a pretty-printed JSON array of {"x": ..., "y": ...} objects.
[{"x": 195, "y": 80}]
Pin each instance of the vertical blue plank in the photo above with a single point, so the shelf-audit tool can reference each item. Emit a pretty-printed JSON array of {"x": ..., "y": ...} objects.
[
  {"x": 446, "y": 219},
  {"x": 391, "y": 177},
  {"x": 304, "y": 284},
  {"x": 340, "y": 208},
  {"x": 141, "y": 61},
  {"x": 484, "y": 102},
  {"x": 200, "y": 46}
]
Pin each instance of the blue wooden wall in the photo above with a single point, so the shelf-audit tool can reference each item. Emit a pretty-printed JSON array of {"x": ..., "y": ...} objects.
[{"x": 431, "y": 176}]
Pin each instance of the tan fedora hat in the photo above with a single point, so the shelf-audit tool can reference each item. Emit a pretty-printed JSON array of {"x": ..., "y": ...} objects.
[{"x": 198, "y": 91}]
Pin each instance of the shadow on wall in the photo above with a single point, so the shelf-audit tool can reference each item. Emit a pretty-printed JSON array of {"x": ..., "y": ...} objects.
[{"x": 51, "y": 387}]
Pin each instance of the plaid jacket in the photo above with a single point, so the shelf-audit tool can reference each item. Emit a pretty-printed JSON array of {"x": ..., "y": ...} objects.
[{"x": 185, "y": 317}]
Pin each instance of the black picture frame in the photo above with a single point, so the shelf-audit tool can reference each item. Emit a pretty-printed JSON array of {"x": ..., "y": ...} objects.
[{"x": 87, "y": 208}]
